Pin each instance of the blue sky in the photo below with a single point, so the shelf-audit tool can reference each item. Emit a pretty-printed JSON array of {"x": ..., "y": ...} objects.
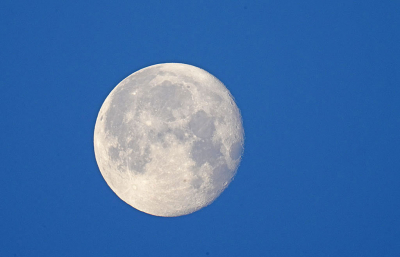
[{"x": 318, "y": 86}]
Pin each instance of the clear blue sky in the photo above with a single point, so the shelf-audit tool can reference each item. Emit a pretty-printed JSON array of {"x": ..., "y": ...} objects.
[{"x": 318, "y": 84}]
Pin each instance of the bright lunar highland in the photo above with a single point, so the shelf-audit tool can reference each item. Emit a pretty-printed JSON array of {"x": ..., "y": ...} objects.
[{"x": 168, "y": 139}]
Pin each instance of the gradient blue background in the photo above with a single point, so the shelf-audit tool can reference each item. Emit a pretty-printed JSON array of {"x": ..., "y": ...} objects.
[{"x": 318, "y": 84}]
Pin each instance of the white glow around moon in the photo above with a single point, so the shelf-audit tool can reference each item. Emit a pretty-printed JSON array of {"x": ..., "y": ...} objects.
[{"x": 168, "y": 139}]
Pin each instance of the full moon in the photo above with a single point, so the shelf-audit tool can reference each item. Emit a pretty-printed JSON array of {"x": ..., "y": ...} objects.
[{"x": 168, "y": 139}]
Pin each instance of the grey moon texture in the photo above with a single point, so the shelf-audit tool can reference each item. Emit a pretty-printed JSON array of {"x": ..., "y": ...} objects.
[{"x": 168, "y": 139}]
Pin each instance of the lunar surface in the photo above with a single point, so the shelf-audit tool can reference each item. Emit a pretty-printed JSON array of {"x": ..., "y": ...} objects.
[{"x": 168, "y": 139}]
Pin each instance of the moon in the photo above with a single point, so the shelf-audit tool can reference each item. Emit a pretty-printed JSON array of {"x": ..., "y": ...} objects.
[{"x": 168, "y": 139}]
